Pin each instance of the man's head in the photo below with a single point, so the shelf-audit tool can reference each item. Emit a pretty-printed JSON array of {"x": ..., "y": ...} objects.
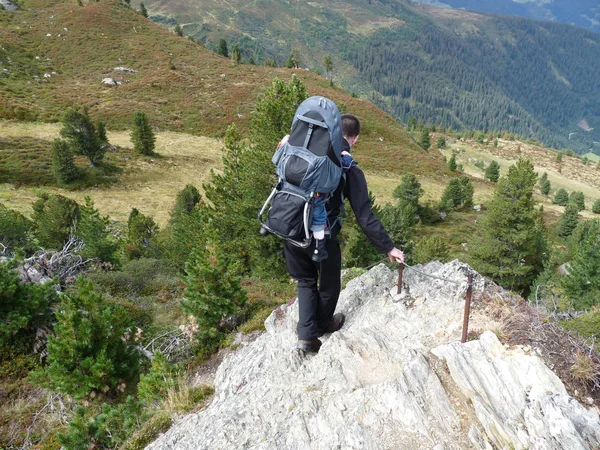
[{"x": 351, "y": 128}]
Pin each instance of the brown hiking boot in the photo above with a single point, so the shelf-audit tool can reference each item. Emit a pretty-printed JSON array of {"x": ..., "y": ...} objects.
[
  {"x": 337, "y": 322},
  {"x": 309, "y": 346}
]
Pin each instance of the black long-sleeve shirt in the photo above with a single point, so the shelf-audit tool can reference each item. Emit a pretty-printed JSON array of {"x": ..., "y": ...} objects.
[{"x": 356, "y": 191}]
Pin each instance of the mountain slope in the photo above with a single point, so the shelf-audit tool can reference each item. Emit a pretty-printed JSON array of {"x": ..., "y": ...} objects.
[
  {"x": 55, "y": 54},
  {"x": 582, "y": 13},
  {"x": 464, "y": 69}
]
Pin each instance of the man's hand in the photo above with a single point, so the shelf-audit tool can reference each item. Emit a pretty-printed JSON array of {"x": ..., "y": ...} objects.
[{"x": 396, "y": 255}]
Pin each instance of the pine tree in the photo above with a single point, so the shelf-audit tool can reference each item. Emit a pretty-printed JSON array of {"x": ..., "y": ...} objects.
[
  {"x": 441, "y": 142},
  {"x": 212, "y": 292},
  {"x": 142, "y": 134},
  {"x": 561, "y": 197},
  {"x": 185, "y": 202},
  {"x": 178, "y": 31},
  {"x": 424, "y": 139},
  {"x": 568, "y": 221},
  {"x": 577, "y": 198},
  {"x": 543, "y": 178},
  {"x": 93, "y": 230},
  {"x": 359, "y": 252},
  {"x": 409, "y": 190},
  {"x": 328, "y": 64},
  {"x": 582, "y": 282},
  {"x": 513, "y": 249},
  {"x": 142, "y": 231},
  {"x": 143, "y": 10},
  {"x": 63, "y": 165},
  {"x": 236, "y": 55},
  {"x": 466, "y": 191},
  {"x": 82, "y": 137},
  {"x": 23, "y": 306},
  {"x": 222, "y": 48},
  {"x": 492, "y": 172},
  {"x": 53, "y": 217},
  {"x": 452, "y": 196},
  {"x": 545, "y": 187},
  {"x": 93, "y": 347},
  {"x": 452, "y": 163},
  {"x": 596, "y": 207}
]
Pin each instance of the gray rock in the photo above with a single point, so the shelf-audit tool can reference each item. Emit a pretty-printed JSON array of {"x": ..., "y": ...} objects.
[
  {"x": 376, "y": 385},
  {"x": 125, "y": 69},
  {"x": 109, "y": 81}
]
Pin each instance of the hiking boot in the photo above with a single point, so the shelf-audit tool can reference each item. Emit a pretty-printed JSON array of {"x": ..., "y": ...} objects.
[
  {"x": 336, "y": 322},
  {"x": 320, "y": 252},
  {"x": 309, "y": 346}
]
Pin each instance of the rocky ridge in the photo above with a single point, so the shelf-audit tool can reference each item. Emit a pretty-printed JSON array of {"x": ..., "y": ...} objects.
[{"x": 395, "y": 377}]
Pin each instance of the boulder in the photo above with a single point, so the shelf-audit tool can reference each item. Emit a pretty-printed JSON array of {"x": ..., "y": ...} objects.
[
  {"x": 109, "y": 82},
  {"x": 394, "y": 377}
]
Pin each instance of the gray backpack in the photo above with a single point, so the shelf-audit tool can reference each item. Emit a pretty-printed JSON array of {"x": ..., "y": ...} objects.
[{"x": 309, "y": 162}]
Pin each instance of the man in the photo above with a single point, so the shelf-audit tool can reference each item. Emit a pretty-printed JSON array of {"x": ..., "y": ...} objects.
[{"x": 319, "y": 283}]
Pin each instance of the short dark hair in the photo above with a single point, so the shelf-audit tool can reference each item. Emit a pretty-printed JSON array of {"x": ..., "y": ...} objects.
[{"x": 350, "y": 125}]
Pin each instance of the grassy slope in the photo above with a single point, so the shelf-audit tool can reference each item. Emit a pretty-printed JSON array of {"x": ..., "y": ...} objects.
[{"x": 202, "y": 96}]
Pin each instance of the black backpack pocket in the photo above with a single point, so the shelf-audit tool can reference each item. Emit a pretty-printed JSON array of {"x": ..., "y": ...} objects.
[{"x": 286, "y": 215}]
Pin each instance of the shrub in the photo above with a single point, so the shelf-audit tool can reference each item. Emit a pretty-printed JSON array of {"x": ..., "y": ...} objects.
[
  {"x": 409, "y": 190},
  {"x": 92, "y": 228},
  {"x": 586, "y": 325},
  {"x": 431, "y": 248},
  {"x": 568, "y": 221},
  {"x": 596, "y": 207},
  {"x": 161, "y": 377},
  {"x": 53, "y": 218},
  {"x": 142, "y": 231},
  {"x": 458, "y": 192},
  {"x": 22, "y": 306},
  {"x": 545, "y": 187},
  {"x": 93, "y": 349},
  {"x": 452, "y": 163},
  {"x": 82, "y": 137},
  {"x": 424, "y": 139},
  {"x": 441, "y": 142},
  {"x": 492, "y": 172},
  {"x": 14, "y": 229}
]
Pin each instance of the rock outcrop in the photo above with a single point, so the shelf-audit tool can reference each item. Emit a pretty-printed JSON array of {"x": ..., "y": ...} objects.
[{"x": 395, "y": 377}]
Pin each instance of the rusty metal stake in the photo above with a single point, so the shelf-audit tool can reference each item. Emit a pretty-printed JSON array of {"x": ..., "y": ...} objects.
[
  {"x": 400, "y": 272},
  {"x": 465, "y": 330}
]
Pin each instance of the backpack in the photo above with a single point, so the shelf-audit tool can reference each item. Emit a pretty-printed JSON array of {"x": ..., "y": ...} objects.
[{"x": 309, "y": 162}]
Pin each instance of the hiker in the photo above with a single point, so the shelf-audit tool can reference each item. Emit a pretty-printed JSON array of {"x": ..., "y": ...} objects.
[{"x": 319, "y": 283}]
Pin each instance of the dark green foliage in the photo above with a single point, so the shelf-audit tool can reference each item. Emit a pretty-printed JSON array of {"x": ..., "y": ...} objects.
[
  {"x": 63, "y": 165},
  {"x": 586, "y": 325},
  {"x": 14, "y": 229},
  {"x": 93, "y": 349},
  {"x": 568, "y": 221},
  {"x": 545, "y": 187},
  {"x": 431, "y": 248},
  {"x": 561, "y": 197},
  {"x": 400, "y": 221},
  {"x": 140, "y": 237},
  {"x": 222, "y": 48},
  {"x": 185, "y": 202},
  {"x": 513, "y": 249},
  {"x": 559, "y": 157},
  {"x": 424, "y": 139},
  {"x": 93, "y": 230},
  {"x": 142, "y": 134},
  {"x": 578, "y": 199},
  {"x": 22, "y": 306},
  {"x": 247, "y": 177},
  {"x": 178, "y": 31},
  {"x": 492, "y": 172},
  {"x": 359, "y": 252},
  {"x": 82, "y": 137},
  {"x": 480, "y": 137},
  {"x": 143, "y": 10},
  {"x": 596, "y": 207},
  {"x": 458, "y": 192},
  {"x": 53, "y": 218},
  {"x": 411, "y": 125},
  {"x": 452, "y": 163},
  {"x": 109, "y": 429},
  {"x": 212, "y": 292},
  {"x": 441, "y": 142},
  {"x": 581, "y": 285},
  {"x": 409, "y": 190},
  {"x": 101, "y": 130},
  {"x": 161, "y": 377},
  {"x": 291, "y": 62},
  {"x": 328, "y": 64},
  {"x": 236, "y": 55},
  {"x": 543, "y": 178}
]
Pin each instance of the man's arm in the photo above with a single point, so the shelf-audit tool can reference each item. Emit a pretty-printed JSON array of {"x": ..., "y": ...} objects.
[{"x": 358, "y": 195}]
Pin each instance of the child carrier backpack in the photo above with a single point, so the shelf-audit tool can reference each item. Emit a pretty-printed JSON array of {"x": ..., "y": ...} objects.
[{"x": 308, "y": 163}]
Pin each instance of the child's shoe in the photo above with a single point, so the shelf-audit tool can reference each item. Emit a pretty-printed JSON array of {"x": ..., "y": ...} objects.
[{"x": 320, "y": 252}]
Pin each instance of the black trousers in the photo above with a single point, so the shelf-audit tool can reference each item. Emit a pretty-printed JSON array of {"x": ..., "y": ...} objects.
[{"x": 318, "y": 286}]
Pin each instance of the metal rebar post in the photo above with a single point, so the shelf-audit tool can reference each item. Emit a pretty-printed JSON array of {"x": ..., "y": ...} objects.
[
  {"x": 465, "y": 330},
  {"x": 400, "y": 272}
]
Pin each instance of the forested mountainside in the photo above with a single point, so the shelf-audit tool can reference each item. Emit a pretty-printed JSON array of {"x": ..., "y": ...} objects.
[
  {"x": 582, "y": 13},
  {"x": 465, "y": 70}
]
